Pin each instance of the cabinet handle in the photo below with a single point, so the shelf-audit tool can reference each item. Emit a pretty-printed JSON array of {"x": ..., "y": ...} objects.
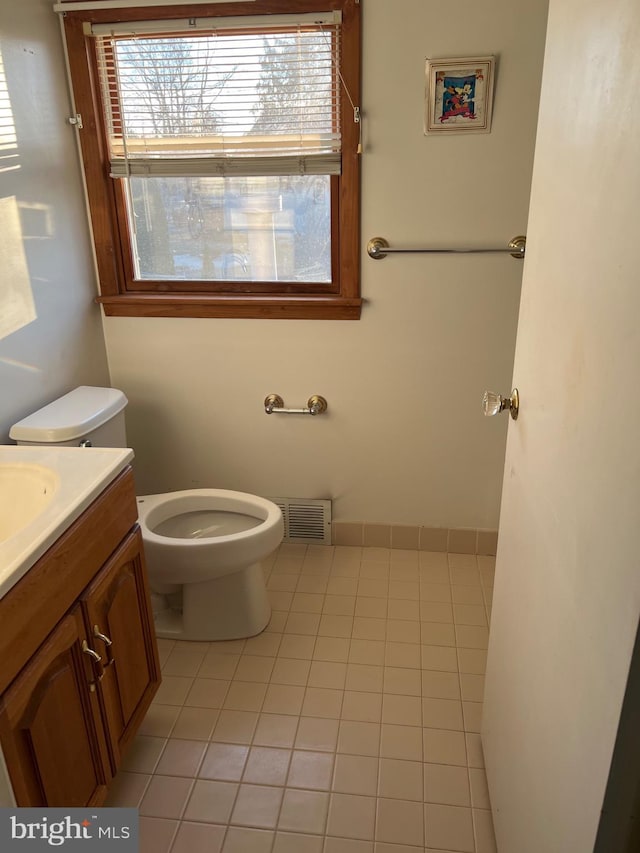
[
  {"x": 96, "y": 663},
  {"x": 108, "y": 644}
]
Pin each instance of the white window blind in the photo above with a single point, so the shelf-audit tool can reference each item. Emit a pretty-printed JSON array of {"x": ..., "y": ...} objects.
[{"x": 235, "y": 100}]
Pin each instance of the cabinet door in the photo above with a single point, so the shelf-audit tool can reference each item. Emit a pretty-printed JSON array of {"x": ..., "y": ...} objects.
[
  {"x": 51, "y": 727},
  {"x": 116, "y": 605}
]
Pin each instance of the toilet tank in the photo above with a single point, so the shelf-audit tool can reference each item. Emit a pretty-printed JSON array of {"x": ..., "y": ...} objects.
[{"x": 86, "y": 414}]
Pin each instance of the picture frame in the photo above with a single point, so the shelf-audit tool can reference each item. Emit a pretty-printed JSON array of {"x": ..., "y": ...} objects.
[{"x": 459, "y": 95}]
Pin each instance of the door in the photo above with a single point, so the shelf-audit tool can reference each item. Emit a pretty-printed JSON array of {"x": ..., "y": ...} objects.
[
  {"x": 118, "y": 615},
  {"x": 51, "y": 727},
  {"x": 567, "y": 593}
]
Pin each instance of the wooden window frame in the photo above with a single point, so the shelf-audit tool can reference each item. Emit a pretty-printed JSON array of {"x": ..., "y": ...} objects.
[{"x": 120, "y": 294}]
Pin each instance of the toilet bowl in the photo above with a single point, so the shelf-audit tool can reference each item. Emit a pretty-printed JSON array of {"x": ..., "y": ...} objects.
[{"x": 203, "y": 547}]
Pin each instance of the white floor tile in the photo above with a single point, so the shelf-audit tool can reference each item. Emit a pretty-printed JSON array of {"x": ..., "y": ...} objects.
[{"x": 350, "y": 725}]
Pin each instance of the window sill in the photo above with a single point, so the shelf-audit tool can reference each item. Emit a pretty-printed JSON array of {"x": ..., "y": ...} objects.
[{"x": 255, "y": 308}]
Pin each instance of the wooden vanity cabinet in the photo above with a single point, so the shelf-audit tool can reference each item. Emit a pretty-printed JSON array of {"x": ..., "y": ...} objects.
[
  {"x": 116, "y": 610},
  {"x": 66, "y": 717},
  {"x": 51, "y": 727}
]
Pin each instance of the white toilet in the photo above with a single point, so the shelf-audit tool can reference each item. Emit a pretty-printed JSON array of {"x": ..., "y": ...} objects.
[{"x": 203, "y": 546}]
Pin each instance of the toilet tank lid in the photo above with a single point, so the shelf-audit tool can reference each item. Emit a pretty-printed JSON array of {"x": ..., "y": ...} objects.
[{"x": 72, "y": 416}]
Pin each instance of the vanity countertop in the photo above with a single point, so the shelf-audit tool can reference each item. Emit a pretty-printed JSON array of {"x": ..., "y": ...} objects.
[{"x": 43, "y": 490}]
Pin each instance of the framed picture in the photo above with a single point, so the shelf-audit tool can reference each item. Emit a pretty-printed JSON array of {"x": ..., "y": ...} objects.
[{"x": 459, "y": 95}]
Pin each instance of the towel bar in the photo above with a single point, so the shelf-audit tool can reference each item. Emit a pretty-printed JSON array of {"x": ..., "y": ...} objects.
[{"x": 378, "y": 248}]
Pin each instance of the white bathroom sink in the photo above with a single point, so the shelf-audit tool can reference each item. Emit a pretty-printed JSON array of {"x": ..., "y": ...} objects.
[
  {"x": 25, "y": 490},
  {"x": 42, "y": 491}
]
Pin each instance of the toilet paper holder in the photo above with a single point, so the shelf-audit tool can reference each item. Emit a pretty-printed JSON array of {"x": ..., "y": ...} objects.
[{"x": 274, "y": 405}]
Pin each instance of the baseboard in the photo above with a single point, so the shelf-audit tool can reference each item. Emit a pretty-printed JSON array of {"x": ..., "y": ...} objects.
[{"x": 455, "y": 540}]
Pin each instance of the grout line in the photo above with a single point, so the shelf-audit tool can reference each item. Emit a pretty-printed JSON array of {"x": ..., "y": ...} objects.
[{"x": 175, "y": 833}]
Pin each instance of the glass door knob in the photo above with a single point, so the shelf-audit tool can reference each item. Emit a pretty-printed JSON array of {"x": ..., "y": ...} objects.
[{"x": 493, "y": 404}]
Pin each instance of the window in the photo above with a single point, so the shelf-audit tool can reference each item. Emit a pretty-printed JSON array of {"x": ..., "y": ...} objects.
[{"x": 220, "y": 144}]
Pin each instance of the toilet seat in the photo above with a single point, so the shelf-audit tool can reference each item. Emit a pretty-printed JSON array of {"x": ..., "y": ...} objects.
[{"x": 179, "y": 559}]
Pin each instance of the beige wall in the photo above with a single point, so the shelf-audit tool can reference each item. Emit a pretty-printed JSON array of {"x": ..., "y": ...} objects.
[
  {"x": 405, "y": 440},
  {"x": 50, "y": 331}
]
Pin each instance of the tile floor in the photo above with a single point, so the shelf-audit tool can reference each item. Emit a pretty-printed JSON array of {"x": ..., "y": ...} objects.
[{"x": 349, "y": 726}]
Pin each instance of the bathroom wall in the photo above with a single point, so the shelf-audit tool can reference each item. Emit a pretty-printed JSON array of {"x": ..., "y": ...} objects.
[
  {"x": 405, "y": 440},
  {"x": 51, "y": 335}
]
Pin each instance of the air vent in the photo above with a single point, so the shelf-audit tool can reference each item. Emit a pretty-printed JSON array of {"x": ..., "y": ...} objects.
[{"x": 305, "y": 520}]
